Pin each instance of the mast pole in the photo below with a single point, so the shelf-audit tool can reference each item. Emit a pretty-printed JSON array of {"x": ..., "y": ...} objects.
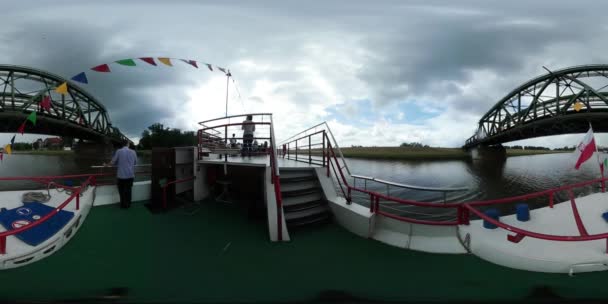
[{"x": 227, "y": 83}]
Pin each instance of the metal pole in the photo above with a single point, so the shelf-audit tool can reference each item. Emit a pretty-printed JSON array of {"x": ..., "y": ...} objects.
[
  {"x": 227, "y": 83},
  {"x": 309, "y": 151},
  {"x": 323, "y": 145}
]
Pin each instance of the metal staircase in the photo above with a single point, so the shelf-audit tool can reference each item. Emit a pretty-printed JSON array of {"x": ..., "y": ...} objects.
[{"x": 303, "y": 199}]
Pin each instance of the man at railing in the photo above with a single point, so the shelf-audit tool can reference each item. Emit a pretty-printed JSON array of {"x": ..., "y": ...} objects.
[
  {"x": 125, "y": 159},
  {"x": 248, "y": 129}
]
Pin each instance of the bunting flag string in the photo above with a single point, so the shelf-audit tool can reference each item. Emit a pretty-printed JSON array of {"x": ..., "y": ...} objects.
[
  {"x": 131, "y": 62},
  {"x": 165, "y": 60},
  {"x": 62, "y": 88},
  {"x": 127, "y": 62},
  {"x": 149, "y": 60},
  {"x": 32, "y": 118},
  {"x": 45, "y": 104},
  {"x": 81, "y": 77},
  {"x": 21, "y": 128}
]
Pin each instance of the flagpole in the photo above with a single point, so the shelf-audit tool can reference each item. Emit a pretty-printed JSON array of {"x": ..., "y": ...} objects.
[
  {"x": 227, "y": 83},
  {"x": 598, "y": 160}
]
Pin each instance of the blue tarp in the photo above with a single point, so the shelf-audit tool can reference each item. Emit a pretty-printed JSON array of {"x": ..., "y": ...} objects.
[{"x": 30, "y": 212}]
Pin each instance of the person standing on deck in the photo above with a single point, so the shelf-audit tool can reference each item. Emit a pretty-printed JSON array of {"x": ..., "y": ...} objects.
[
  {"x": 233, "y": 142},
  {"x": 248, "y": 129},
  {"x": 125, "y": 159}
]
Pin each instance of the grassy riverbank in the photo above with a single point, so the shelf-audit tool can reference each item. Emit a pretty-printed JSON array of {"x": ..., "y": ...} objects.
[{"x": 404, "y": 153}]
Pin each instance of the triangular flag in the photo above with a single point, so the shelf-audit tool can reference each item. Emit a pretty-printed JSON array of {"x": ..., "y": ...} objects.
[
  {"x": 13, "y": 140},
  {"x": 190, "y": 62},
  {"x": 149, "y": 60},
  {"x": 222, "y": 69},
  {"x": 7, "y": 149},
  {"x": 209, "y": 66},
  {"x": 104, "y": 68},
  {"x": 21, "y": 128},
  {"x": 82, "y": 77},
  {"x": 127, "y": 62},
  {"x": 62, "y": 89},
  {"x": 165, "y": 60},
  {"x": 45, "y": 103},
  {"x": 32, "y": 118},
  {"x": 1, "y": 156}
]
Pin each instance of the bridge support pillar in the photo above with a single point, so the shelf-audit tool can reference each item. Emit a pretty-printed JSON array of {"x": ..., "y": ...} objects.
[
  {"x": 94, "y": 150},
  {"x": 488, "y": 153}
]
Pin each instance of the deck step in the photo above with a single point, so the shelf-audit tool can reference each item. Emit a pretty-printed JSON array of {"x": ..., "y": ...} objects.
[
  {"x": 319, "y": 209},
  {"x": 296, "y": 176},
  {"x": 301, "y": 186},
  {"x": 316, "y": 219},
  {"x": 304, "y": 206},
  {"x": 302, "y": 199}
]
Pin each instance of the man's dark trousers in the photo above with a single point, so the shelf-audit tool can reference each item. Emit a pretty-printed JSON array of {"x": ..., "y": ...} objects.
[{"x": 124, "y": 190}]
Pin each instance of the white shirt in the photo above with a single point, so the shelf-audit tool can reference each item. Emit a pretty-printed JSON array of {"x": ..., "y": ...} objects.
[{"x": 248, "y": 126}]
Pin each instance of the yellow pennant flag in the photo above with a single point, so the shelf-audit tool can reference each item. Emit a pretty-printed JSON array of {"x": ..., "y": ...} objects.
[
  {"x": 62, "y": 89},
  {"x": 7, "y": 149},
  {"x": 165, "y": 60}
]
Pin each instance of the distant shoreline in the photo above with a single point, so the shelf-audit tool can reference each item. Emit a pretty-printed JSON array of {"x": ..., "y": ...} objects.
[
  {"x": 406, "y": 153},
  {"x": 380, "y": 153}
]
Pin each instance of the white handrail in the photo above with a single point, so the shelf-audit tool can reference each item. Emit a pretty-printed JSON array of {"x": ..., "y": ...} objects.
[
  {"x": 400, "y": 185},
  {"x": 232, "y": 116}
]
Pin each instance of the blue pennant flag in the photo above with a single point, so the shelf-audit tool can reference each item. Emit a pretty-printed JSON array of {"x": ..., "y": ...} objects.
[
  {"x": 82, "y": 77},
  {"x": 13, "y": 140}
]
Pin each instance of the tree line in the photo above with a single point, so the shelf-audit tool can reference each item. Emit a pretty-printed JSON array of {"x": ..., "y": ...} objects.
[{"x": 157, "y": 135}]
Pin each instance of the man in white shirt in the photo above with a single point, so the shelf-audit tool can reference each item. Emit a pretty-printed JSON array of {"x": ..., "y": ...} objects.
[{"x": 125, "y": 160}]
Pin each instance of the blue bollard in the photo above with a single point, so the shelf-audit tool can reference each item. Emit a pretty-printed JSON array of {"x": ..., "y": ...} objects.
[
  {"x": 523, "y": 212},
  {"x": 493, "y": 213}
]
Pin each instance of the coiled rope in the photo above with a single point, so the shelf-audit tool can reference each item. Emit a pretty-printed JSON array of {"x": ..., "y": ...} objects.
[{"x": 35, "y": 197}]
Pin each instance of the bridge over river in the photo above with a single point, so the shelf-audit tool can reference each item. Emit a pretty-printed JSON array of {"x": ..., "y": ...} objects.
[{"x": 560, "y": 102}]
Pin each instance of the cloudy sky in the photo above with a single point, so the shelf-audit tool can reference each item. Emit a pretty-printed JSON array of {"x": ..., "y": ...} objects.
[{"x": 379, "y": 72}]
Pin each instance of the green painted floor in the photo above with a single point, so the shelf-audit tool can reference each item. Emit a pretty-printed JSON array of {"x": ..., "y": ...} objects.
[{"x": 220, "y": 255}]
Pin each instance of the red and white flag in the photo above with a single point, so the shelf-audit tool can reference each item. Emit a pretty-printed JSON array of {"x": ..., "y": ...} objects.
[{"x": 585, "y": 149}]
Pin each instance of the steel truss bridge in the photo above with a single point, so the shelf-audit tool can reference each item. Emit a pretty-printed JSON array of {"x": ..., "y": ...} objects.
[
  {"x": 560, "y": 102},
  {"x": 76, "y": 114}
]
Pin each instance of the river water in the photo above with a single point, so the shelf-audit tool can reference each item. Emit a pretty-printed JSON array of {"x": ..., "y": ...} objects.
[{"x": 484, "y": 180}]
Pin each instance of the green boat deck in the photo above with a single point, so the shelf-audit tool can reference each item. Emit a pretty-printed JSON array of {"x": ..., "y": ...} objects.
[{"x": 220, "y": 254}]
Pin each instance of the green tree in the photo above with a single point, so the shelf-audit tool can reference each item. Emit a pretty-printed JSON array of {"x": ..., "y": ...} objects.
[{"x": 158, "y": 136}]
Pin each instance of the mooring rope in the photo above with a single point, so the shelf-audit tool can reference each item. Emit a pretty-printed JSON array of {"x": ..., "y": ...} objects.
[{"x": 35, "y": 197}]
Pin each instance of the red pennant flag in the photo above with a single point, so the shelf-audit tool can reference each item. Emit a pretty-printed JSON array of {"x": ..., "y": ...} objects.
[
  {"x": 190, "y": 62},
  {"x": 1, "y": 156},
  {"x": 22, "y": 128},
  {"x": 104, "y": 68},
  {"x": 45, "y": 103},
  {"x": 149, "y": 60}
]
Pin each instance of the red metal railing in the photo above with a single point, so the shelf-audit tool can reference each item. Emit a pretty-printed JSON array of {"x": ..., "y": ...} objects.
[
  {"x": 463, "y": 210},
  {"x": 75, "y": 194}
]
